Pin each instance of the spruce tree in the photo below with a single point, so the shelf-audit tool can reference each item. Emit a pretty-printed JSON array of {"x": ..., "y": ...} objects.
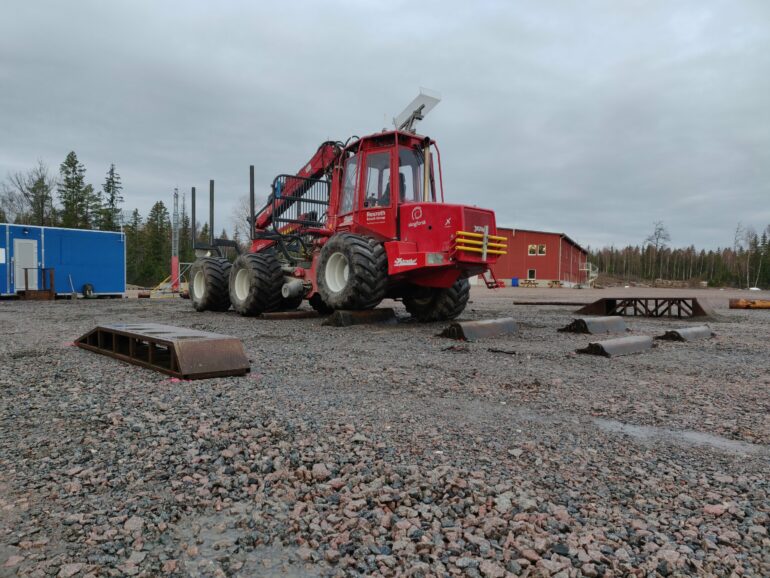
[
  {"x": 186, "y": 253},
  {"x": 112, "y": 199},
  {"x": 134, "y": 248},
  {"x": 203, "y": 234},
  {"x": 157, "y": 243},
  {"x": 81, "y": 206}
]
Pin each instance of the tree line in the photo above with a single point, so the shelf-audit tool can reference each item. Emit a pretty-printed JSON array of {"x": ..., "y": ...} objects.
[
  {"x": 745, "y": 264},
  {"x": 66, "y": 199},
  {"x": 148, "y": 243},
  {"x": 38, "y": 197}
]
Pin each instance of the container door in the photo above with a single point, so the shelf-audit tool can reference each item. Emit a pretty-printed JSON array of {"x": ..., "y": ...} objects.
[{"x": 25, "y": 257}]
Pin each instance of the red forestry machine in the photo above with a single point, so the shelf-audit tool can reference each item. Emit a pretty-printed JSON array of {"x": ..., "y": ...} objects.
[{"x": 361, "y": 221}]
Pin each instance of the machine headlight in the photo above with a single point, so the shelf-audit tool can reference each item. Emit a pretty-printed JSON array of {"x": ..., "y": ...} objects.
[{"x": 435, "y": 258}]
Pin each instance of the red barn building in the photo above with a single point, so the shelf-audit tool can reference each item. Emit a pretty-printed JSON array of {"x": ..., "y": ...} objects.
[{"x": 538, "y": 258}]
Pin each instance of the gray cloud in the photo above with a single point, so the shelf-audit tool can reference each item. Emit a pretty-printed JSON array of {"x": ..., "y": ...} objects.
[{"x": 592, "y": 118}]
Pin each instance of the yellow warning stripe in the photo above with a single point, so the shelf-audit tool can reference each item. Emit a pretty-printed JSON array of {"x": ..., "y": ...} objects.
[
  {"x": 474, "y": 242},
  {"x": 480, "y": 235},
  {"x": 478, "y": 250}
]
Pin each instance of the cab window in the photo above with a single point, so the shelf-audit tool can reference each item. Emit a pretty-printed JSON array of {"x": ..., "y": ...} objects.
[
  {"x": 377, "y": 180},
  {"x": 349, "y": 185},
  {"x": 410, "y": 173}
]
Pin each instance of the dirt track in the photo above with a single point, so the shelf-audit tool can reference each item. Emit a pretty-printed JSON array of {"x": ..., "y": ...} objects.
[{"x": 384, "y": 449}]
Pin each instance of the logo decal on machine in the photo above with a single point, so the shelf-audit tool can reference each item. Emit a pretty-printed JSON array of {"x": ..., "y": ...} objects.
[
  {"x": 416, "y": 216},
  {"x": 478, "y": 229},
  {"x": 375, "y": 216},
  {"x": 448, "y": 222},
  {"x": 401, "y": 262},
  {"x": 347, "y": 220}
]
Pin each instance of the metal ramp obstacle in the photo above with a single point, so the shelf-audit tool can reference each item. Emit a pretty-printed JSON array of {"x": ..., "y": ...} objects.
[
  {"x": 678, "y": 307},
  {"x": 177, "y": 351}
]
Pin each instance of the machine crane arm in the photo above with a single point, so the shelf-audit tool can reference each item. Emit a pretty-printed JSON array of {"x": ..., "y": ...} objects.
[{"x": 319, "y": 165}]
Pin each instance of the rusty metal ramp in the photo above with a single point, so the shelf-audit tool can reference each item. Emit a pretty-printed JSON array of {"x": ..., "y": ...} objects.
[
  {"x": 177, "y": 351},
  {"x": 679, "y": 307}
]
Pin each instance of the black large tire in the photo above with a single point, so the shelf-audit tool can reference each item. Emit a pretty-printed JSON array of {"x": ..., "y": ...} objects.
[
  {"x": 317, "y": 303},
  {"x": 352, "y": 272},
  {"x": 255, "y": 284},
  {"x": 291, "y": 303},
  {"x": 426, "y": 304},
  {"x": 208, "y": 284}
]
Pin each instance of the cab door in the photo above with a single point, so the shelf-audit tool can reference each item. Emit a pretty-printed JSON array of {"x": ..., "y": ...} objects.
[
  {"x": 377, "y": 201},
  {"x": 348, "y": 202}
]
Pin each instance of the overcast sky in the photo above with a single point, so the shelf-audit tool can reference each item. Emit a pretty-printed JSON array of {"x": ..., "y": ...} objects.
[{"x": 590, "y": 118}]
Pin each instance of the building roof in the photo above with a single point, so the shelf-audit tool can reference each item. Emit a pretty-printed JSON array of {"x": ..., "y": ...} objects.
[{"x": 562, "y": 235}]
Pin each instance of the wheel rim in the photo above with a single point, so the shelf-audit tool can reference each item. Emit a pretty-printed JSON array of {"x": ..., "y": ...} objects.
[
  {"x": 242, "y": 284},
  {"x": 199, "y": 284},
  {"x": 337, "y": 272}
]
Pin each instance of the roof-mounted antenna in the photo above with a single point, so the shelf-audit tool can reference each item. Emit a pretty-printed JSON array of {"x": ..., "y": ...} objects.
[{"x": 416, "y": 110}]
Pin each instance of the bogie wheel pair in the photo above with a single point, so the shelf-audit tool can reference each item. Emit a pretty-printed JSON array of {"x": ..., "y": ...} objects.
[
  {"x": 255, "y": 284},
  {"x": 209, "y": 278},
  {"x": 252, "y": 284}
]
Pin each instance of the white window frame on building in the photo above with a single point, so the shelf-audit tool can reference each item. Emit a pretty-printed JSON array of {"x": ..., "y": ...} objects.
[
  {"x": 541, "y": 249},
  {"x": 532, "y": 250},
  {"x": 531, "y": 273}
]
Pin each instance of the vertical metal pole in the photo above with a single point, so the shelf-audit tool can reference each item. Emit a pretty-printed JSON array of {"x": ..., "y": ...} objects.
[
  {"x": 426, "y": 176},
  {"x": 175, "y": 244},
  {"x": 251, "y": 202},
  {"x": 211, "y": 212},
  {"x": 192, "y": 208}
]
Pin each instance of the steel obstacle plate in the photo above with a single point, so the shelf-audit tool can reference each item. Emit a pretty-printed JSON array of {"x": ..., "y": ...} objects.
[
  {"x": 472, "y": 330},
  {"x": 594, "y": 325},
  {"x": 289, "y": 315},
  {"x": 687, "y": 333},
  {"x": 344, "y": 318},
  {"x": 619, "y": 346},
  {"x": 177, "y": 351}
]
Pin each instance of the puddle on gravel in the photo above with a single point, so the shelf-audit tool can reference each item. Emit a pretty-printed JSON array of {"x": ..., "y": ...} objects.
[
  {"x": 689, "y": 437},
  {"x": 218, "y": 550}
]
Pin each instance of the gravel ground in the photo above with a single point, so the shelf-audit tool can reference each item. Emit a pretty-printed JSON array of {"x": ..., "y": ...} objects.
[{"x": 385, "y": 450}]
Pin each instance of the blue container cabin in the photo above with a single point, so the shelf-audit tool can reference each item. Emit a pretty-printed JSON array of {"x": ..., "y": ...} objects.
[{"x": 79, "y": 257}]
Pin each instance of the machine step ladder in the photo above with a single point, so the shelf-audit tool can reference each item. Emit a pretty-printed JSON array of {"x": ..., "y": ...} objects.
[{"x": 490, "y": 280}]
